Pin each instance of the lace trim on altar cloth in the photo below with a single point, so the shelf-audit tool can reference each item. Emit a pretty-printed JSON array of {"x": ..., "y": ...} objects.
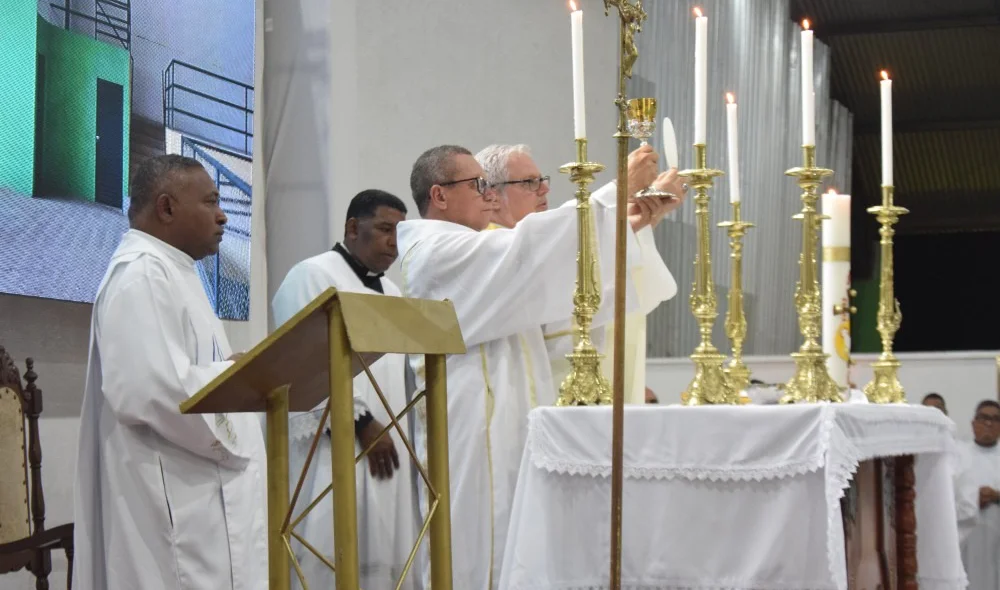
[{"x": 732, "y": 473}]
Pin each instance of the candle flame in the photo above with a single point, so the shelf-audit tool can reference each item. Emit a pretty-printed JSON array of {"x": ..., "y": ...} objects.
[
  {"x": 831, "y": 192},
  {"x": 730, "y": 98},
  {"x": 885, "y": 75},
  {"x": 805, "y": 24},
  {"x": 572, "y": 5},
  {"x": 697, "y": 12}
]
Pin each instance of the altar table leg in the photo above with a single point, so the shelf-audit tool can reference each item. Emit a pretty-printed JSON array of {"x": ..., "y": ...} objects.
[{"x": 906, "y": 523}]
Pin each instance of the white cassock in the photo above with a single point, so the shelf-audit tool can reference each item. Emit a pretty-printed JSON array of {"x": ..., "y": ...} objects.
[
  {"x": 163, "y": 500},
  {"x": 966, "y": 493},
  {"x": 981, "y": 544},
  {"x": 387, "y": 517},
  {"x": 505, "y": 284},
  {"x": 654, "y": 284}
]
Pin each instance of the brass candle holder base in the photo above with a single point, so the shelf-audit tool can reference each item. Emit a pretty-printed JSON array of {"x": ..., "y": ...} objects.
[
  {"x": 737, "y": 372},
  {"x": 585, "y": 385},
  {"x": 710, "y": 385},
  {"x": 812, "y": 381},
  {"x": 885, "y": 388}
]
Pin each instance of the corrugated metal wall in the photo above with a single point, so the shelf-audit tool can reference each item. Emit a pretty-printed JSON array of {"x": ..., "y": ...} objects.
[{"x": 753, "y": 52}]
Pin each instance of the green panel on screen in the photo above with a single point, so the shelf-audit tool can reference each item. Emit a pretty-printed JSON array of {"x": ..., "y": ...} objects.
[
  {"x": 73, "y": 64},
  {"x": 17, "y": 96}
]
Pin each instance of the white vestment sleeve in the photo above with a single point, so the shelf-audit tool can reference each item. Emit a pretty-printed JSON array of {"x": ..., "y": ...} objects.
[
  {"x": 302, "y": 284},
  {"x": 506, "y": 281},
  {"x": 146, "y": 373},
  {"x": 966, "y": 496},
  {"x": 657, "y": 283}
]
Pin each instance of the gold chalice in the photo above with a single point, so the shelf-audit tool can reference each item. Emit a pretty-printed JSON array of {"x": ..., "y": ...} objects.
[{"x": 641, "y": 124}]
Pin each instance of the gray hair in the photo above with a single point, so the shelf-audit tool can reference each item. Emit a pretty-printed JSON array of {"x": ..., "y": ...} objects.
[
  {"x": 434, "y": 166},
  {"x": 151, "y": 176},
  {"x": 495, "y": 160}
]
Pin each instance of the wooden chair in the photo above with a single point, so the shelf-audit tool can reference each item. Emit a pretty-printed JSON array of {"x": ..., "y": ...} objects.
[{"x": 25, "y": 543}]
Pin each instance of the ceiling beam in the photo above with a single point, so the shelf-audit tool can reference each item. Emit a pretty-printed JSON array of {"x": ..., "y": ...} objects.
[
  {"x": 906, "y": 26},
  {"x": 874, "y": 128}
]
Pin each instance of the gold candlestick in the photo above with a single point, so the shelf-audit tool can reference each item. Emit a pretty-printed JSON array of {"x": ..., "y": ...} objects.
[
  {"x": 812, "y": 381},
  {"x": 710, "y": 385},
  {"x": 736, "y": 321},
  {"x": 585, "y": 385},
  {"x": 885, "y": 388}
]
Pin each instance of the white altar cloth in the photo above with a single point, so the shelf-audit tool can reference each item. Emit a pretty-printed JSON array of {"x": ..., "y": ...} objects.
[{"x": 719, "y": 498}]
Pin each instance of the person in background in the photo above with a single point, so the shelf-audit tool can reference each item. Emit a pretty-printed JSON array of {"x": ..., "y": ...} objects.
[
  {"x": 387, "y": 522},
  {"x": 505, "y": 285},
  {"x": 935, "y": 400},
  {"x": 981, "y": 544},
  {"x": 522, "y": 190},
  {"x": 165, "y": 500}
]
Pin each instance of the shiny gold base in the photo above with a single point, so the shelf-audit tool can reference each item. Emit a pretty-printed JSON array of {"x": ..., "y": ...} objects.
[
  {"x": 885, "y": 388},
  {"x": 811, "y": 382},
  {"x": 738, "y": 375},
  {"x": 709, "y": 385},
  {"x": 585, "y": 385}
]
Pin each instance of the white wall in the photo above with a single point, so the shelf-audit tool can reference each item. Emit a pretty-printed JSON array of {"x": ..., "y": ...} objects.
[{"x": 962, "y": 378}]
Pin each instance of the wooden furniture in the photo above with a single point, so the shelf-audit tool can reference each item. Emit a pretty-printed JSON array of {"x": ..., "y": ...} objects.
[
  {"x": 879, "y": 516},
  {"x": 313, "y": 356},
  {"x": 25, "y": 543}
]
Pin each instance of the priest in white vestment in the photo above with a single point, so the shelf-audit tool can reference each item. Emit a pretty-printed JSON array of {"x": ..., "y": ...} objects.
[
  {"x": 505, "y": 284},
  {"x": 387, "y": 520},
  {"x": 522, "y": 190},
  {"x": 164, "y": 500},
  {"x": 981, "y": 546},
  {"x": 966, "y": 491}
]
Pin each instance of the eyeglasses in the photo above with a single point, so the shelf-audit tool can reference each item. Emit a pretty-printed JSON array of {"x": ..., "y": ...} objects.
[
  {"x": 532, "y": 184},
  {"x": 988, "y": 419},
  {"x": 481, "y": 185}
]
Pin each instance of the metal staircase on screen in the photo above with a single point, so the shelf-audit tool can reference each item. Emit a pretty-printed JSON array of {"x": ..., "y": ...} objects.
[{"x": 112, "y": 20}]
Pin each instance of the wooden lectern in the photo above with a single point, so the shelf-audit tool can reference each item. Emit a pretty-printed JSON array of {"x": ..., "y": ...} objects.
[{"x": 315, "y": 356}]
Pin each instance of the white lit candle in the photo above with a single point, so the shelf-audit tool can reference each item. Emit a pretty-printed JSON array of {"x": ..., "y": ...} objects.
[
  {"x": 700, "y": 75},
  {"x": 886, "y": 88},
  {"x": 836, "y": 279},
  {"x": 836, "y": 229},
  {"x": 579, "y": 108},
  {"x": 734, "y": 149},
  {"x": 808, "y": 93}
]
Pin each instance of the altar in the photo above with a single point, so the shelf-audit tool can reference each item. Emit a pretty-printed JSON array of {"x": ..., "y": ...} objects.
[{"x": 723, "y": 497}]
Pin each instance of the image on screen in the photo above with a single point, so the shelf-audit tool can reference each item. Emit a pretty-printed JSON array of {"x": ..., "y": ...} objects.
[{"x": 88, "y": 90}]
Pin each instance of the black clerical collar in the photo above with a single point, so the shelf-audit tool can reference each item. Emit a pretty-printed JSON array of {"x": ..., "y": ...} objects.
[{"x": 371, "y": 280}]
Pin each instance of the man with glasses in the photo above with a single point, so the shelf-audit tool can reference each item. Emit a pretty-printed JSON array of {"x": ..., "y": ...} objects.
[
  {"x": 505, "y": 284},
  {"x": 981, "y": 548},
  {"x": 522, "y": 190}
]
